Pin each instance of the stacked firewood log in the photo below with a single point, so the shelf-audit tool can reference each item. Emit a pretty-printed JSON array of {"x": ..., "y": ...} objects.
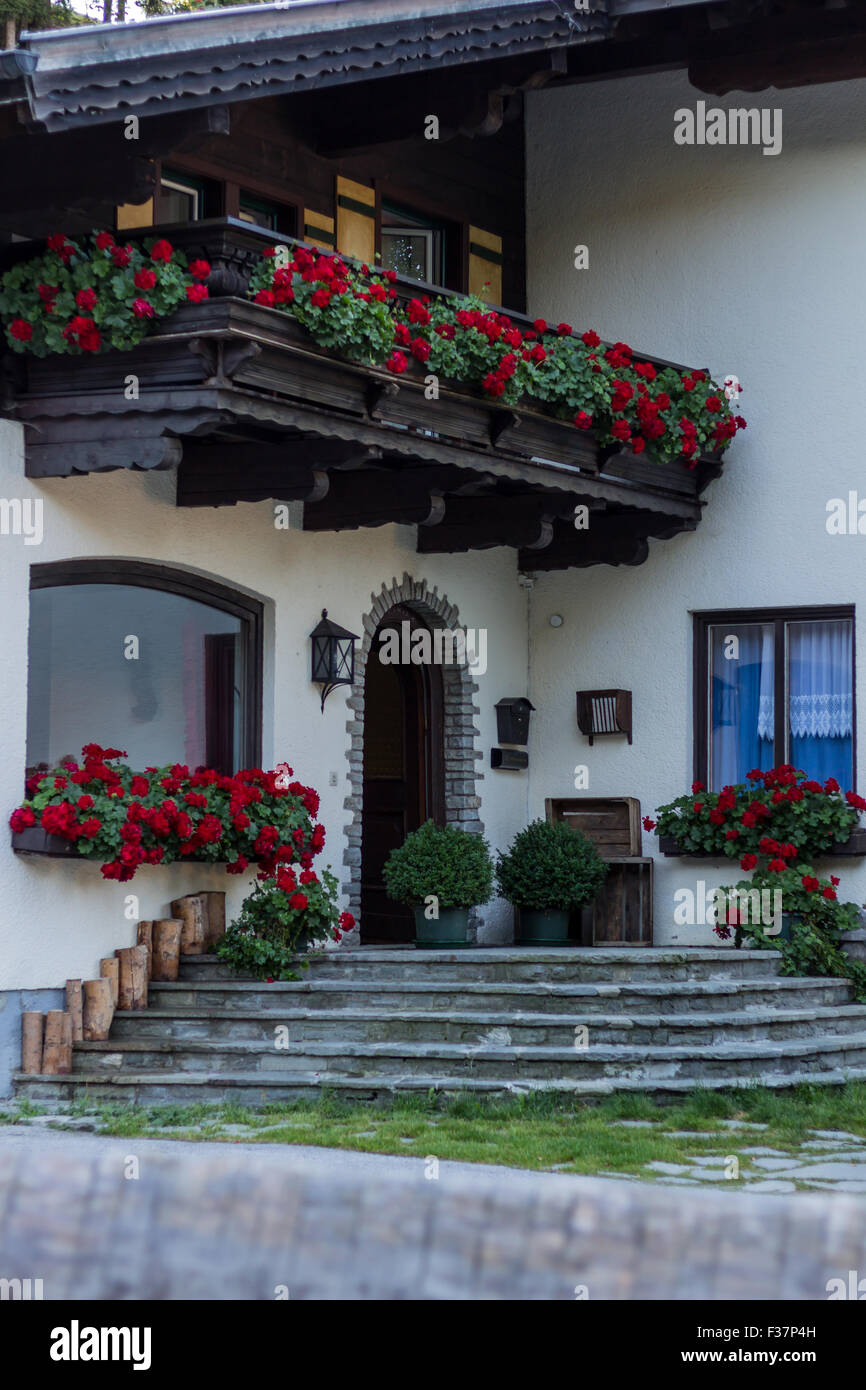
[{"x": 195, "y": 926}]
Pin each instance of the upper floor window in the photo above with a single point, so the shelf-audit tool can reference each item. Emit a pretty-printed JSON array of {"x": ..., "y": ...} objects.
[
  {"x": 774, "y": 687},
  {"x": 259, "y": 212},
  {"x": 163, "y": 664},
  {"x": 412, "y": 245},
  {"x": 186, "y": 198}
]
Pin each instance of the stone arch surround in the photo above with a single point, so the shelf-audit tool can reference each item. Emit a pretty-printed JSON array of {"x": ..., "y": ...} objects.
[{"x": 462, "y": 801}]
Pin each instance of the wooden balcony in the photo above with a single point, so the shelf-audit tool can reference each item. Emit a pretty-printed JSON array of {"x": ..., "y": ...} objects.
[{"x": 245, "y": 406}]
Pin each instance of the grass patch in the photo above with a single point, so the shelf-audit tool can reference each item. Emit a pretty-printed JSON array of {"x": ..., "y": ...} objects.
[{"x": 539, "y": 1130}]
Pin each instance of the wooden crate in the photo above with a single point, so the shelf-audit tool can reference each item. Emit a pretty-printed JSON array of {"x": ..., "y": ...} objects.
[
  {"x": 611, "y": 822},
  {"x": 622, "y": 913}
]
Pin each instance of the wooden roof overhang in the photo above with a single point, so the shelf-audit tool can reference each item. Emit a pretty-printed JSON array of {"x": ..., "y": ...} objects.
[{"x": 245, "y": 406}]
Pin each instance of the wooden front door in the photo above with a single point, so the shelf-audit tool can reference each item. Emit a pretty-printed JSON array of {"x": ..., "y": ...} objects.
[{"x": 403, "y": 773}]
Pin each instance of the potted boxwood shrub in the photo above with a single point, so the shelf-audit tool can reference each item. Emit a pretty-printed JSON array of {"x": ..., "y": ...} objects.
[
  {"x": 441, "y": 872},
  {"x": 548, "y": 871}
]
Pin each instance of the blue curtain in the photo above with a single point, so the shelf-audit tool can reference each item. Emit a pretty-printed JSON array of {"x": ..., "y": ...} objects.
[{"x": 742, "y": 702}]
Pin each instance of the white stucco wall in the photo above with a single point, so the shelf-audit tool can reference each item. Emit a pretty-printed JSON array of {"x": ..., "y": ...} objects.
[
  {"x": 58, "y": 918},
  {"x": 748, "y": 264}
]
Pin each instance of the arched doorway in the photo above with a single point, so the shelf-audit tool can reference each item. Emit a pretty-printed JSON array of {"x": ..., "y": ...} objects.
[{"x": 404, "y": 767}]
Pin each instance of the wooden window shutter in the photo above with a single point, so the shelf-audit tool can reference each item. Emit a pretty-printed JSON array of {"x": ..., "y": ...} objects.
[
  {"x": 356, "y": 220},
  {"x": 134, "y": 215},
  {"x": 485, "y": 265},
  {"x": 319, "y": 229}
]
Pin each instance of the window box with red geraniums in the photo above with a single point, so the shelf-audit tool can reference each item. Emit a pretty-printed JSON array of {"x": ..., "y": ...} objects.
[
  {"x": 101, "y": 809},
  {"x": 93, "y": 295},
  {"x": 626, "y": 403},
  {"x": 779, "y": 813}
]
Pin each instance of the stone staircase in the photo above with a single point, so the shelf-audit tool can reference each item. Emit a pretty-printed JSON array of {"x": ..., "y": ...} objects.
[{"x": 369, "y": 1022}]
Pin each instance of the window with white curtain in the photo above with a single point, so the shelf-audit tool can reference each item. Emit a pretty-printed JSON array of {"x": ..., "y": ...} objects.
[{"x": 774, "y": 687}]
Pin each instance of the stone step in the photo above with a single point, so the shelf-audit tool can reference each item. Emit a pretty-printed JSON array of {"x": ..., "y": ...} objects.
[
  {"x": 515, "y": 964},
  {"x": 255, "y": 1090},
  {"x": 670, "y": 996},
  {"x": 505, "y": 1064},
  {"x": 520, "y": 1029}
]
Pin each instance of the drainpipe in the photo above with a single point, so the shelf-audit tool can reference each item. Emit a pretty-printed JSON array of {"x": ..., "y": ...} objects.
[{"x": 527, "y": 584}]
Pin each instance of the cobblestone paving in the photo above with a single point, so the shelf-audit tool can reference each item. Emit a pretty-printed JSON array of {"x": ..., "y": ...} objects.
[
  {"x": 832, "y": 1160},
  {"x": 134, "y": 1219}
]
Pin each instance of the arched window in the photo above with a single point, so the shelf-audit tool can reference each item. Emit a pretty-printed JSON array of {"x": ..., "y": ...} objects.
[{"x": 164, "y": 664}]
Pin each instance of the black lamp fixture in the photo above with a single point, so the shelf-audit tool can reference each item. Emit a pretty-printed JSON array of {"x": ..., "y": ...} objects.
[{"x": 333, "y": 656}]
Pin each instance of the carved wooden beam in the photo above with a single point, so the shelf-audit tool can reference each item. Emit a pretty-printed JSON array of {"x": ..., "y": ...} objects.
[
  {"x": 377, "y": 497},
  {"x": 481, "y": 522},
  {"x": 221, "y": 472},
  {"x": 60, "y": 459},
  {"x": 612, "y": 538},
  {"x": 377, "y": 392}
]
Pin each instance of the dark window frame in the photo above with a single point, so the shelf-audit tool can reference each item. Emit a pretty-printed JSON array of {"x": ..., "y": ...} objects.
[
  {"x": 779, "y": 617},
  {"x": 454, "y": 231},
  {"x": 144, "y": 575}
]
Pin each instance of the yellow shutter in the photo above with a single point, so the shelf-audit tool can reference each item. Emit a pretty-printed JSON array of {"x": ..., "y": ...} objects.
[
  {"x": 319, "y": 229},
  {"x": 356, "y": 220},
  {"x": 485, "y": 265},
  {"x": 134, "y": 215}
]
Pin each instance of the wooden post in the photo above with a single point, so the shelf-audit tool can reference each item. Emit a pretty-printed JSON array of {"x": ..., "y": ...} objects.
[
  {"x": 57, "y": 1047},
  {"x": 110, "y": 971},
  {"x": 98, "y": 1009},
  {"x": 216, "y": 917},
  {"x": 66, "y": 1050},
  {"x": 192, "y": 910},
  {"x": 32, "y": 1031},
  {"x": 132, "y": 961},
  {"x": 166, "y": 948},
  {"x": 74, "y": 1007},
  {"x": 145, "y": 938}
]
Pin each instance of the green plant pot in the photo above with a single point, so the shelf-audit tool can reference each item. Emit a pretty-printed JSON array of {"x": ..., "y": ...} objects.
[
  {"x": 541, "y": 927},
  {"x": 449, "y": 930},
  {"x": 789, "y": 921}
]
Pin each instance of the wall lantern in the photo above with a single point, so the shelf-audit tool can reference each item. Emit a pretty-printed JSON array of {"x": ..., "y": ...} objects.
[
  {"x": 333, "y": 656},
  {"x": 604, "y": 712},
  {"x": 512, "y": 720}
]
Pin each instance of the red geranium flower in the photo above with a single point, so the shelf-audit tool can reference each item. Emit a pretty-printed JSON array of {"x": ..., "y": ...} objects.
[{"x": 161, "y": 251}]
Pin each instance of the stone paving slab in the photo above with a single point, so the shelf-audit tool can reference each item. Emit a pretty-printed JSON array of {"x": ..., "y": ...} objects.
[{"x": 237, "y": 1223}]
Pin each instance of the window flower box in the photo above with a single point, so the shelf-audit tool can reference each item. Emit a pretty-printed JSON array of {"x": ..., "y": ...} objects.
[
  {"x": 853, "y": 847},
  {"x": 35, "y": 840}
]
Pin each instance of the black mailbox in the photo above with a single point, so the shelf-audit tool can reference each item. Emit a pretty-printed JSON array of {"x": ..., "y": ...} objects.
[{"x": 512, "y": 720}]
